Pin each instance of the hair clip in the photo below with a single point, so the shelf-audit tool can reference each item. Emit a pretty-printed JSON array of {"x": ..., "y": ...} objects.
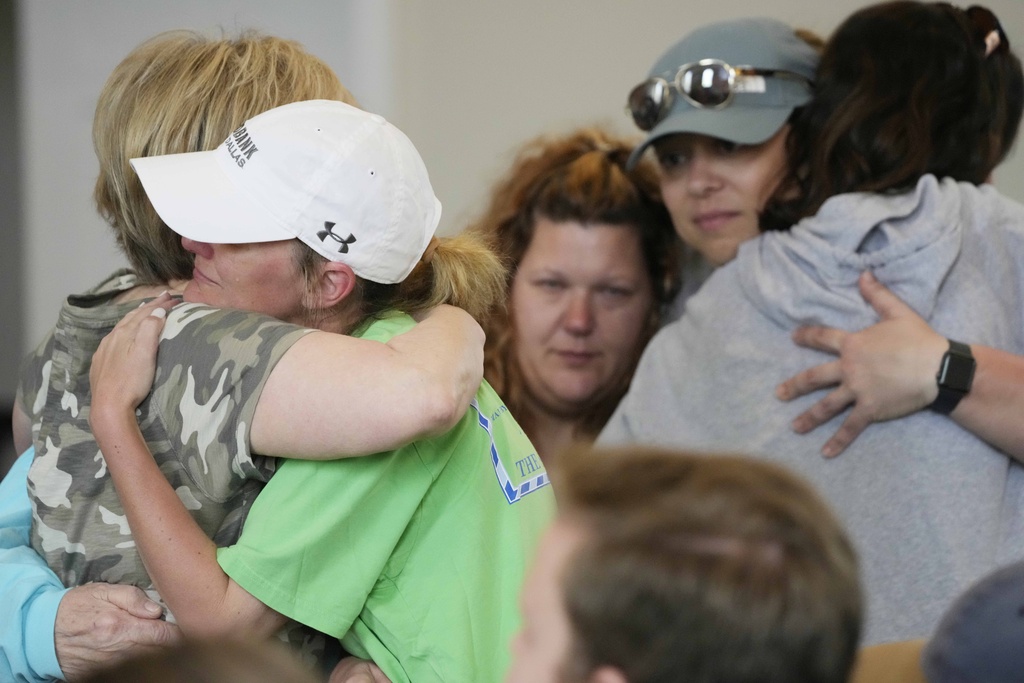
[
  {"x": 992, "y": 41},
  {"x": 986, "y": 24}
]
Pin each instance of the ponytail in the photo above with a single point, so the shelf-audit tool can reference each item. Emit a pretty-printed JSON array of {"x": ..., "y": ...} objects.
[{"x": 462, "y": 271}]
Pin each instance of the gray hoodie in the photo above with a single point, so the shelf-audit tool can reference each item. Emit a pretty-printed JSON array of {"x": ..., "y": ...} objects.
[{"x": 930, "y": 507}]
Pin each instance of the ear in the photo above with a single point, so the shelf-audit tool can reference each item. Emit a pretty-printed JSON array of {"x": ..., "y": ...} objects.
[
  {"x": 335, "y": 284},
  {"x": 607, "y": 674}
]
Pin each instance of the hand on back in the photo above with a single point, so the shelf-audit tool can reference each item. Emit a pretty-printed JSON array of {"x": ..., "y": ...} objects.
[
  {"x": 99, "y": 625},
  {"x": 885, "y": 371}
]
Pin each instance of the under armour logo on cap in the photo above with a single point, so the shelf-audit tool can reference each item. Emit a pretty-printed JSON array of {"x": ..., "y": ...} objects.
[
  {"x": 328, "y": 231},
  {"x": 316, "y": 159}
]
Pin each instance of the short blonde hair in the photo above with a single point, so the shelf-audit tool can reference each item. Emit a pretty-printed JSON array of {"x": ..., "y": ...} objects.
[{"x": 178, "y": 92}]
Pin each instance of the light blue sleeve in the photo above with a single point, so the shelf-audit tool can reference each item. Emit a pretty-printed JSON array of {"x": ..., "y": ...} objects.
[{"x": 29, "y": 591}]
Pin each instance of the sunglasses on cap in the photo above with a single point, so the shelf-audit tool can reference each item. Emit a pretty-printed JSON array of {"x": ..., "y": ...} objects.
[{"x": 709, "y": 84}]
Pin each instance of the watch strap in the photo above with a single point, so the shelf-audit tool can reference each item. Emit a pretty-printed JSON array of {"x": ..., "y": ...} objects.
[{"x": 955, "y": 376}]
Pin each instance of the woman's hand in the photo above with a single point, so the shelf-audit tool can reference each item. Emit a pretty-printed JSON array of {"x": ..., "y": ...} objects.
[
  {"x": 885, "y": 371},
  {"x": 125, "y": 362}
]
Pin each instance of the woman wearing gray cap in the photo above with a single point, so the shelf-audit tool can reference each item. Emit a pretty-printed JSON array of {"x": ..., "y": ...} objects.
[
  {"x": 914, "y": 105},
  {"x": 721, "y": 143},
  {"x": 716, "y": 107}
]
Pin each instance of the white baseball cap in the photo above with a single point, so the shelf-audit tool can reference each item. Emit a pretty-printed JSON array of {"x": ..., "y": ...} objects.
[
  {"x": 759, "y": 110},
  {"x": 346, "y": 182}
]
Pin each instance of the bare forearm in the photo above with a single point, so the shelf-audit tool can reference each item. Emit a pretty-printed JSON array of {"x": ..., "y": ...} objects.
[
  {"x": 179, "y": 557},
  {"x": 888, "y": 370},
  {"x": 331, "y": 396},
  {"x": 994, "y": 408},
  {"x": 447, "y": 349}
]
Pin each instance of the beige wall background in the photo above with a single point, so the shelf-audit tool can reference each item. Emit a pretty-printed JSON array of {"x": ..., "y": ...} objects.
[
  {"x": 475, "y": 79},
  {"x": 468, "y": 80}
]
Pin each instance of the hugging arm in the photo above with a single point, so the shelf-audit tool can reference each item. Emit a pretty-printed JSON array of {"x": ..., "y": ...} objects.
[
  {"x": 178, "y": 555},
  {"x": 346, "y": 406},
  {"x": 993, "y": 408},
  {"x": 375, "y": 396},
  {"x": 888, "y": 370}
]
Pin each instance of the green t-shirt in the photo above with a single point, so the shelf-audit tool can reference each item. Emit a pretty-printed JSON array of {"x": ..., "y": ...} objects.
[{"x": 413, "y": 558}]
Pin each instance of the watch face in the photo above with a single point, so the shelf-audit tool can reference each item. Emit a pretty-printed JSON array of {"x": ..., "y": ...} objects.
[{"x": 957, "y": 372}]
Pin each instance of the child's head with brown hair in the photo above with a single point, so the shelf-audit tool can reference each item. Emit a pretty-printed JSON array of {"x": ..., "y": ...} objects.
[{"x": 681, "y": 566}]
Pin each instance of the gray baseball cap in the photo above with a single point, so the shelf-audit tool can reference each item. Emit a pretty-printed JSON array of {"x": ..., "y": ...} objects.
[
  {"x": 980, "y": 637},
  {"x": 755, "y": 113}
]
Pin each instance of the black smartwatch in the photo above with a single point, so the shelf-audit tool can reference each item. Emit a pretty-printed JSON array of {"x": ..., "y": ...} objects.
[{"x": 956, "y": 372}]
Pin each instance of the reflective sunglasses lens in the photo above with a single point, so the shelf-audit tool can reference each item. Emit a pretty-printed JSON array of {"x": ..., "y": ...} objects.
[
  {"x": 648, "y": 102},
  {"x": 706, "y": 85}
]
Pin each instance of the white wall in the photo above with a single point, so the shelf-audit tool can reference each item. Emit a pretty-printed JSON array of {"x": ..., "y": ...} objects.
[
  {"x": 477, "y": 77},
  {"x": 468, "y": 80}
]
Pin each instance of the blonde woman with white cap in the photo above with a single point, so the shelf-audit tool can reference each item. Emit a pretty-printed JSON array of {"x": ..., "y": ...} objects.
[
  {"x": 412, "y": 557},
  {"x": 158, "y": 101}
]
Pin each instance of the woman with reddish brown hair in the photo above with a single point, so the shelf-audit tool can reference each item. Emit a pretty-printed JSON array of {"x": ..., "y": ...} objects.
[{"x": 591, "y": 256}]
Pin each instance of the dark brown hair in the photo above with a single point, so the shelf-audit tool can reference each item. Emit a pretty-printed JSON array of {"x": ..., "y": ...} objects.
[
  {"x": 903, "y": 89},
  {"x": 704, "y": 568},
  {"x": 580, "y": 177}
]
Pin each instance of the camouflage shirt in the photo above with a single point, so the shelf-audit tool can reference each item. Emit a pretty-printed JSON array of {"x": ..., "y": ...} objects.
[{"x": 211, "y": 369}]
